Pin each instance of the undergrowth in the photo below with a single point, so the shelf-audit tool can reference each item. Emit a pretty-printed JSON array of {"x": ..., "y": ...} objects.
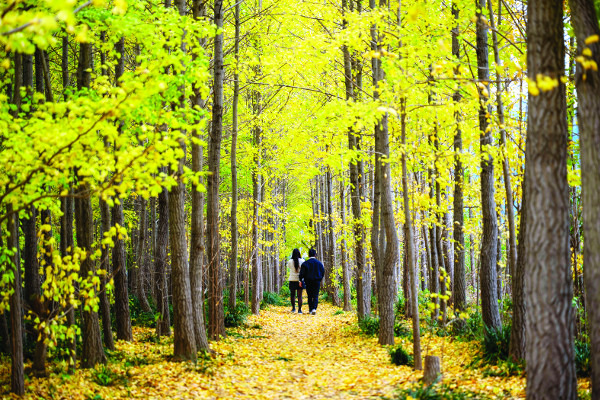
[
  {"x": 399, "y": 356},
  {"x": 438, "y": 392}
]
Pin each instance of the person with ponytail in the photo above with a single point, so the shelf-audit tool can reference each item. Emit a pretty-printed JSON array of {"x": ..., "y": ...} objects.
[{"x": 295, "y": 283}]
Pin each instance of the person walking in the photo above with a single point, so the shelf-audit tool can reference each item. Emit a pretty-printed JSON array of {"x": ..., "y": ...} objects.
[
  {"x": 294, "y": 281},
  {"x": 312, "y": 271}
]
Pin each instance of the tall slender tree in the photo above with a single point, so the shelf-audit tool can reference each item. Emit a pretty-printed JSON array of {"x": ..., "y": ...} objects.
[
  {"x": 585, "y": 22},
  {"x": 489, "y": 239},
  {"x": 548, "y": 276},
  {"x": 92, "y": 350},
  {"x": 197, "y": 217},
  {"x": 216, "y": 321},
  {"x": 234, "y": 183},
  {"x": 183, "y": 320},
  {"x": 123, "y": 317}
]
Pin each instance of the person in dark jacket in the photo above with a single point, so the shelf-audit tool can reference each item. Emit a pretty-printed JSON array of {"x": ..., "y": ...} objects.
[{"x": 312, "y": 271}]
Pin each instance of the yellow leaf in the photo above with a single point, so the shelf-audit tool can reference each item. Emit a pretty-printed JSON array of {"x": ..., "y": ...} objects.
[{"x": 592, "y": 39}]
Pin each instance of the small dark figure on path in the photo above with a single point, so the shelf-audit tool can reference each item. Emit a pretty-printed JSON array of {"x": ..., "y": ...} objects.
[
  {"x": 312, "y": 272},
  {"x": 295, "y": 283}
]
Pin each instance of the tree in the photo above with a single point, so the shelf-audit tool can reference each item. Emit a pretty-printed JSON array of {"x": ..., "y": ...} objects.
[
  {"x": 585, "y": 23},
  {"x": 410, "y": 250},
  {"x": 489, "y": 239},
  {"x": 92, "y": 350},
  {"x": 123, "y": 318},
  {"x": 183, "y": 320},
  {"x": 548, "y": 281},
  {"x": 216, "y": 321},
  {"x": 460, "y": 280},
  {"x": 197, "y": 217}
]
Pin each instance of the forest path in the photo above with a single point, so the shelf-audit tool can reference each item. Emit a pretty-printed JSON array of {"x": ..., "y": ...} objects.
[
  {"x": 277, "y": 355},
  {"x": 302, "y": 356}
]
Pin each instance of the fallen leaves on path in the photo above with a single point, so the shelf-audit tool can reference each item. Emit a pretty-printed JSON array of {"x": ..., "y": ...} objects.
[{"x": 278, "y": 355}]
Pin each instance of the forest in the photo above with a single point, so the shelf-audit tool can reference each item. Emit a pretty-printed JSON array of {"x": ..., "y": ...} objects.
[{"x": 161, "y": 159}]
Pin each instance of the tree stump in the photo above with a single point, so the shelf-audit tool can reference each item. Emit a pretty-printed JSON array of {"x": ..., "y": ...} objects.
[{"x": 432, "y": 369}]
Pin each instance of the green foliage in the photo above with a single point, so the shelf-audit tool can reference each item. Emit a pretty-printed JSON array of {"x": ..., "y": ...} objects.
[
  {"x": 582, "y": 359},
  {"x": 284, "y": 292},
  {"x": 438, "y": 392},
  {"x": 504, "y": 368},
  {"x": 104, "y": 375},
  {"x": 400, "y": 306},
  {"x": 495, "y": 344},
  {"x": 272, "y": 299},
  {"x": 402, "y": 329},
  {"x": 399, "y": 356},
  {"x": 140, "y": 317},
  {"x": 236, "y": 317},
  {"x": 338, "y": 312},
  {"x": 369, "y": 325},
  {"x": 472, "y": 329}
]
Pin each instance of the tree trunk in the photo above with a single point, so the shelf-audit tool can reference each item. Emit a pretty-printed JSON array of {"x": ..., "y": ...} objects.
[
  {"x": 363, "y": 278},
  {"x": 92, "y": 350},
  {"x": 460, "y": 281},
  {"x": 17, "y": 375},
  {"x": 216, "y": 320},
  {"x": 163, "y": 324},
  {"x": 140, "y": 272},
  {"x": 489, "y": 240},
  {"x": 518, "y": 333},
  {"x": 510, "y": 210},
  {"x": 410, "y": 248},
  {"x": 385, "y": 263},
  {"x": 107, "y": 335},
  {"x": 234, "y": 184},
  {"x": 123, "y": 317},
  {"x": 548, "y": 281},
  {"x": 344, "y": 253},
  {"x": 332, "y": 281},
  {"x": 256, "y": 184},
  {"x": 197, "y": 217},
  {"x": 585, "y": 22},
  {"x": 432, "y": 371}
]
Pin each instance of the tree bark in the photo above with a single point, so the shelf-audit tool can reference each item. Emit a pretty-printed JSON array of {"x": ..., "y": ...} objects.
[
  {"x": 460, "y": 281},
  {"x": 410, "y": 248},
  {"x": 107, "y": 335},
  {"x": 344, "y": 253},
  {"x": 256, "y": 184},
  {"x": 388, "y": 254},
  {"x": 510, "y": 210},
  {"x": 197, "y": 216},
  {"x": 17, "y": 374},
  {"x": 432, "y": 370},
  {"x": 216, "y": 324},
  {"x": 548, "y": 281},
  {"x": 140, "y": 268},
  {"x": 585, "y": 22},
  {"x": 332, "y": 281},
  {"x": 123, "y": 318},
  {"x": 92, "y": 350},
  {"x": 489, "y": 240},
  {"x": 234, "y": 184},
  {"x": 163, "y": 324},
  {"x": 518, "y": 334}
]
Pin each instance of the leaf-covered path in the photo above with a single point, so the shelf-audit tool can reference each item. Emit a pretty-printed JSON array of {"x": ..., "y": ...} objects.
[{"x": 278, "y": 355}]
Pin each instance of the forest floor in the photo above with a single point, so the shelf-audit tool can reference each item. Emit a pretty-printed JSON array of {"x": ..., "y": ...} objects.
[{"x": 276, "y": 355}]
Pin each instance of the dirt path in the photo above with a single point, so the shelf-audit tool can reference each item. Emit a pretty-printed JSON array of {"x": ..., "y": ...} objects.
[
  {"x": 297, "y": 356},
  {"x": 279, "y": 355}
]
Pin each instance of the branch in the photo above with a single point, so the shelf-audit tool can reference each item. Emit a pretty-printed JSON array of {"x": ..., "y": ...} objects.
[{"x": 35, "y": 21}]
